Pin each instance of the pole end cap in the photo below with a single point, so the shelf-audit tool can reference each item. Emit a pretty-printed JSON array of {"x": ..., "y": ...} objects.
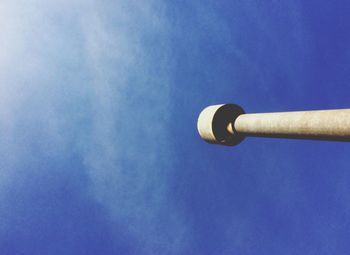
[{"x": 216, "y": 124}]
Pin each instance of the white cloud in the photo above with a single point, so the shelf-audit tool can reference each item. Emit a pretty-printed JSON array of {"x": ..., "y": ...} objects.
[{"x": 81, "y": 77}]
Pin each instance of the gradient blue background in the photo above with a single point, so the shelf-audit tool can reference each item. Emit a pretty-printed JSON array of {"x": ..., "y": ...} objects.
[{"x": 99, "y": 152}]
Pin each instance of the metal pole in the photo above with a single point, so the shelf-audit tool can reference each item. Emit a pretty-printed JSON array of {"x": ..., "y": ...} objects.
[{"x": 229, "y": 125}]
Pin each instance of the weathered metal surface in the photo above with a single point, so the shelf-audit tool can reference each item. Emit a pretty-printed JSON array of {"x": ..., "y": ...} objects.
[
  {"x": 228, "y": 125},
  {"x": 321, "y": 124}
]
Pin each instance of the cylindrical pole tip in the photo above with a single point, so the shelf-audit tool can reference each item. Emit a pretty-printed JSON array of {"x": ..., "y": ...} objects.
[{"x": 216, "y": 124}]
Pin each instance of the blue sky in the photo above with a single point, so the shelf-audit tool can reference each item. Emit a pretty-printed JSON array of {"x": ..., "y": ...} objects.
[{"x": 99, "y": 151}]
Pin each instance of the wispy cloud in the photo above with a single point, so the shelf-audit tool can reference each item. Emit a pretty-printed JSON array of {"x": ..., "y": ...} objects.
[
  {"x": 128, "y": 156},
  {"x": 87, "y": 78}
]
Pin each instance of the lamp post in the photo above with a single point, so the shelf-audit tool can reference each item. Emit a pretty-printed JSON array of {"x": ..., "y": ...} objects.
[{"x": 228, "y": 124}]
